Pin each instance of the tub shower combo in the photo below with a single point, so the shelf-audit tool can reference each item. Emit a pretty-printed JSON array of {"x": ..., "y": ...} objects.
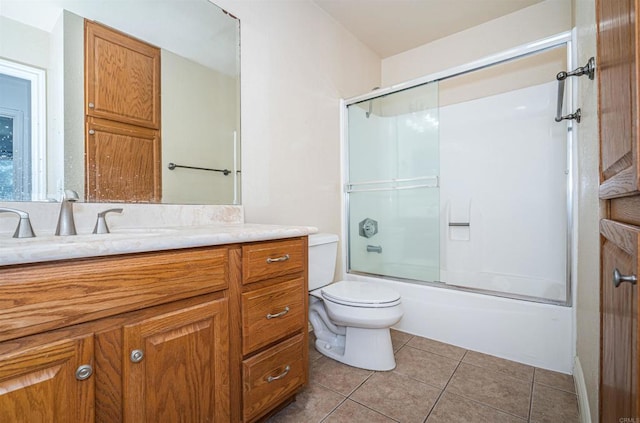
[{"x": 463, "y": 180}]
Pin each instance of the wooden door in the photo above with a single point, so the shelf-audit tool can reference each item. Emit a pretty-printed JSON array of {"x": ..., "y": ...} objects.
[
  {"x": 40, "y": 384},
  {"x": 176, "y": 366},
  {"x": 122, "y": 77},
  {"x": 618, "y": 115},
  {"x": 122, "y": 163},
  {"x": 617, "y": 70},
  {"x": 619, "y": 322}
]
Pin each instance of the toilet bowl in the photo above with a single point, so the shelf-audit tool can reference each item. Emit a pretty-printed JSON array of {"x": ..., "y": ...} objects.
[{"x": 351, "y": 320}]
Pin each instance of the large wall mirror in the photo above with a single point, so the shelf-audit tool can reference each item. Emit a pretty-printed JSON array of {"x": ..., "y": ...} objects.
[{"x": 44, "y": 109}]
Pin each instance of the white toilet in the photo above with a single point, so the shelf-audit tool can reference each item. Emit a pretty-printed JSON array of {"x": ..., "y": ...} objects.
[{"x": 351, "y": 320}]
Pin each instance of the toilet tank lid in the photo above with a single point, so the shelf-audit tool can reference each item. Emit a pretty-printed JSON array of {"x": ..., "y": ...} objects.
[{"x": 322, "y": 238}]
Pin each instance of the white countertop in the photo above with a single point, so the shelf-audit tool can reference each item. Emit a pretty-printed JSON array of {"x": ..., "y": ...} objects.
[{"x": 136, "y": 240}]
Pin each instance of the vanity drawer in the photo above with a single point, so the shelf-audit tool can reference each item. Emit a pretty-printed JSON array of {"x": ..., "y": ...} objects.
[
  {"x": 45, "y": 296},
  {"x": 271, "y": 313},
  {"x": 270, "y": 259},
  {"x": 272, "y": 376}
]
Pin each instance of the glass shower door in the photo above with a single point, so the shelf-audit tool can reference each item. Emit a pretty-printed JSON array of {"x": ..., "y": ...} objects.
[{"x": 393, "y": 187}]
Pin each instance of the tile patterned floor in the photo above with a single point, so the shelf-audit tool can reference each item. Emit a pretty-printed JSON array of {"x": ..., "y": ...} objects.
[{"x": 433, "y": 383}]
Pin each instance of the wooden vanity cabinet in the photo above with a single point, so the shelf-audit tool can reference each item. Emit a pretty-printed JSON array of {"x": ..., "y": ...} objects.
[
  {"x": 151, "y": 330},
  {"x": 272, "y": 349},
  {"x": 194, "y": 335}
]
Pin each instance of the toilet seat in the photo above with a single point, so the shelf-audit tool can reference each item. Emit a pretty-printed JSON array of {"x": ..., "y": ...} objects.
[{"x": 360, "y": 294}]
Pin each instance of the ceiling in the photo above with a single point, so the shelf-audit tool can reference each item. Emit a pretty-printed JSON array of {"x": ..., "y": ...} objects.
[{"x": 389, "y": 27}]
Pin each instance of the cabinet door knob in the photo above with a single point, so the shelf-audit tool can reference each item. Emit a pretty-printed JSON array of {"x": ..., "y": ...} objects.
[
  {"x": 618, "y": 278},
  {"x": 91, "y": 105},
  {"x": 136, "y": 356},
  {"x": 91, "y": 132},
  {"x": 84, "y": 372},
  {"x": 280, "y": 376}
]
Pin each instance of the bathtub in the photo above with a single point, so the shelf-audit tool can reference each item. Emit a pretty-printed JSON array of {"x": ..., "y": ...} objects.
[{"x": 536, "y": 334}]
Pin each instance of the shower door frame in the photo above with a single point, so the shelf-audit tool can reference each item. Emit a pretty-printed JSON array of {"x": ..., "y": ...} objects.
[{"x": 529, "y": 49}]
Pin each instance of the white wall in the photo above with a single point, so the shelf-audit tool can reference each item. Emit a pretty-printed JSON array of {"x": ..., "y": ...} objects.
[
  {"x": 532, "y": 23},
  {"x": 198, "y": 120},
  {"x": 587, "y": 303},
  {"x": 297, "y": 63},
  {"x": 14, "y": 36}
]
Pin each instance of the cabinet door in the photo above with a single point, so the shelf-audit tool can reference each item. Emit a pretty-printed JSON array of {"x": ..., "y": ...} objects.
[
  {"x": 619, "y": 323},
  {"x": 122, "y": 163},
  {"x": 122, "y": 77},
  {"x": 40, "y": 384},
  {"x": 176, "y": 366},
  {"x": 617, "y": 79}
]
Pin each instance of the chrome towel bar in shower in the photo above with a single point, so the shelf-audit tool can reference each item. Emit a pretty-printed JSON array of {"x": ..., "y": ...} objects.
[{"x": 589, "y": 70}]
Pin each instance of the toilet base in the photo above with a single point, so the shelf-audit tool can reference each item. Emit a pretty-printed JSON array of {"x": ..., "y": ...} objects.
[{"x": 369, "y": 349}]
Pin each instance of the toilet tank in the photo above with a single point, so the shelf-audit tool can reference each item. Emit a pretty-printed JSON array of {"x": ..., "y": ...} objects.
[{"x": 323, "y": 252}]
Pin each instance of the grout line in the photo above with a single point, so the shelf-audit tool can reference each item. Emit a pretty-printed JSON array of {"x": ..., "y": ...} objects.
[
  {"x": 524, "y": 419},
  {"x": 500, "y": 372},
  {"x": 374, "y": 410},
  {"x": 445, "y": 387},
  {"x": 533, "y": 381},
  {"x": 334, "y": 409},
  {"x": 556, "y": 388}
]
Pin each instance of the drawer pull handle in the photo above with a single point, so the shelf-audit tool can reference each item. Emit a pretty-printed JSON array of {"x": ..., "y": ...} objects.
[
  {"x": 280, "y": 376},
  {"x": 277, "y": 259},
  {"x": 618, "y": 278},
  {"x": 282, "y": 313}
]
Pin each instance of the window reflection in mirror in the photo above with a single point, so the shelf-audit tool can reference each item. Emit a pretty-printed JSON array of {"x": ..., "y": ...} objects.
[{"x": 199, "y": 86}]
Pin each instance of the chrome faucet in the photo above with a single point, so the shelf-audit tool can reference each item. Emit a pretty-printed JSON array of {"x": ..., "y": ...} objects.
[
  {"x": 66, "y": 224},
  {"x": 101, "y": 224},
  {"x": 24, "y": 229}
]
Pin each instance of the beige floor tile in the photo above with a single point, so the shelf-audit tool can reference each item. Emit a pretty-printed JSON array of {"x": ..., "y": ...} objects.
[
  {"x": 352, "y": 412},
  {"x": 425, "y": 366},
  {"x": 453, "y": 408},
  {"x": 337, "y": 376},
  {"x": 396, "y": 396},
  {"x": 555, "y": 380},
  {"x": 313, "y": 404},
  {"x": 398, "y": 339},
  {"x": 437, "y": 347},
  {"x": 492, "y": 388},
  {"x": 551, "y": 405},
  {"x": 511, "y": 368}
]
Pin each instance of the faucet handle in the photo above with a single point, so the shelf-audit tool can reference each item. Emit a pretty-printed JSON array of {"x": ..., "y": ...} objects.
[
  {"x": 101, "y": 224},
  {"x": 24, "y": 229}
]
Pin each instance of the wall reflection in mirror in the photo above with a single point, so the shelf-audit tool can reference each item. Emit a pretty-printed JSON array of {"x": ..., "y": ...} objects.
[{"x": 53, "y": 118}]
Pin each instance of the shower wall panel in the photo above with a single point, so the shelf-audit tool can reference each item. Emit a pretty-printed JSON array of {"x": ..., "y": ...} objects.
[{"x": 504, "y": 171}]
